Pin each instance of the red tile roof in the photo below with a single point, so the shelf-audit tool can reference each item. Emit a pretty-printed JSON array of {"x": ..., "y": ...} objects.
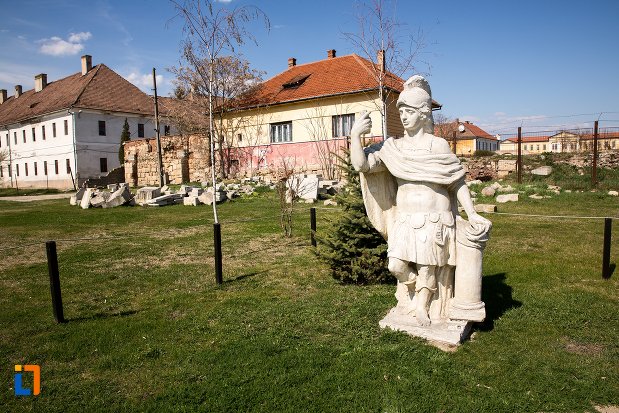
[
  {"x": 101, "y": 88},
  {"x": 328, "y": 77},
  {"x": 477, "y": 131},
  {"x": 470, "y": 131}
]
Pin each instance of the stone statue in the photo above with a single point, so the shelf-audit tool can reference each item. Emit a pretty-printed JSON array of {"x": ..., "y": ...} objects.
[{"x": 411, "y": 188}]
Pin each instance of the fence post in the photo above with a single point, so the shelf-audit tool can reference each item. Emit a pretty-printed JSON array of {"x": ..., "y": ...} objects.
[
  {"x": 608, "y": 225},
  {"x": 594, "y": 164},
  {"x": 217, "y": 246},
  {"x": 313, "y": 226},
  {"x": 519, "y": 161},
  {"x": 54, "y": 281}
]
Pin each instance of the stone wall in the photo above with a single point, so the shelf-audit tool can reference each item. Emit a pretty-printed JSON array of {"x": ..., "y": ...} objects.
[
  {"x": 185, "y": 159},
  {"x": 487, "y": 168}
]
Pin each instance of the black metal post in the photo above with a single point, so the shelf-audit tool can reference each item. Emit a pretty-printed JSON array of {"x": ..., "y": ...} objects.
[
  {"x": 608, "y": 225},
  {"x": 217, "y": 243},
  {"x": 594, "y": 163},
  {"x": 519, "y": 161},
  {"x": 54, "y": 281},
  {"x": 313, "y": 226}
]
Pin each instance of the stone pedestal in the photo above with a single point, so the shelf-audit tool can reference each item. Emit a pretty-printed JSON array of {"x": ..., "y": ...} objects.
[{"x": 448, "y": 331}]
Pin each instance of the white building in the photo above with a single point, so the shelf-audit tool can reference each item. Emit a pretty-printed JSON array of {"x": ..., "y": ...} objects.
[{"x": 63, "y": 132}]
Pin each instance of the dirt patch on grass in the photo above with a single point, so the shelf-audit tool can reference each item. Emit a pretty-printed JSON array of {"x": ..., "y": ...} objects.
[
  {"x": 169, "y": 233},
  {"x": 584, "y": 349},
  {"x": 607, "y": 409},
  {"x": 28, "y": 255}
]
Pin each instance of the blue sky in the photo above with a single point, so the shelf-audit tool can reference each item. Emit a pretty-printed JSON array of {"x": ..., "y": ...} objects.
[{"x": 500, "y": 64}]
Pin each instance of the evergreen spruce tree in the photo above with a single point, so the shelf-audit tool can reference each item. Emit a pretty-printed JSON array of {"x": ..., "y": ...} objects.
[
  {"x": 354, "y": 250},
  {"x": 125, "y": 135}
]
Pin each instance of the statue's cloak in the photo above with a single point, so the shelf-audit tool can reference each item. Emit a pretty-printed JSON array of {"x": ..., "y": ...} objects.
[{"x": 379, "y": 188}]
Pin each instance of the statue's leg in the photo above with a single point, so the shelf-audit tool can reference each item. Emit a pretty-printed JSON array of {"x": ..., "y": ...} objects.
[
  {"x": 425, "y": 288},
  {"x": 405, "y": 274}
]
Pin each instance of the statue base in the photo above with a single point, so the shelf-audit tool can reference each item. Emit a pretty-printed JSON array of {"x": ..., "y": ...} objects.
[
  {"x": 452, "y": 332},
  {"x": 467, "y": 311}
]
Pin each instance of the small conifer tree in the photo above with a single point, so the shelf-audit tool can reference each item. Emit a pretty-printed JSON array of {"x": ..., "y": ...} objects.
[
  {"x": 354, "y": 250},
  {"x": 125, "y": 135}
]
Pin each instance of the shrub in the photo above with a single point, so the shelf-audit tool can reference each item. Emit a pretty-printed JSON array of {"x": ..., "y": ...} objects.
[{"x": 355, "y": 252}]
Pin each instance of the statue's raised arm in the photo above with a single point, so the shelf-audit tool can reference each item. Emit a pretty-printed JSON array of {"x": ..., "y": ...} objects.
[{"x": 361, "y": 126}]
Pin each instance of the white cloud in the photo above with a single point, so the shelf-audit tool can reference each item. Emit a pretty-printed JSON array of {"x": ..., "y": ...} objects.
[
  {"x": 56, "y": 46},
  {"x": 79, "y": 37},
  {"x": 144, "y": 81}
]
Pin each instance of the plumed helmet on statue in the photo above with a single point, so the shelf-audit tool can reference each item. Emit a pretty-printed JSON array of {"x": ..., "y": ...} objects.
[{"x": 417, "y": 94}]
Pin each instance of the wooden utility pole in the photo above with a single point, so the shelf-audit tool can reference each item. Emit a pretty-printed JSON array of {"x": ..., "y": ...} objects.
[
  {"x": 455, "y": 133},
  {"x": 161, "y": 183}
]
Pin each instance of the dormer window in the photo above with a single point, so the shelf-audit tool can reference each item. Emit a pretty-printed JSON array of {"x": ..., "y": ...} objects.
[{"x": 295, "y": 82}]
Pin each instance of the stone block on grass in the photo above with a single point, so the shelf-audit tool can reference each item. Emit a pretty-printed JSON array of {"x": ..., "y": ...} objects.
[{"x": 501, "y": 199}]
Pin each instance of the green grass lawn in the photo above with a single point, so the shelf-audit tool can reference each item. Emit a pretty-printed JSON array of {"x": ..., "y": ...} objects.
[{"x": 148, "y": 329}]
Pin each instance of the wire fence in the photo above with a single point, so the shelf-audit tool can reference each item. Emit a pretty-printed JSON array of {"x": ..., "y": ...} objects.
[
  {"x": 261, "y": 249},
  {"x": 579, "y": 158}
]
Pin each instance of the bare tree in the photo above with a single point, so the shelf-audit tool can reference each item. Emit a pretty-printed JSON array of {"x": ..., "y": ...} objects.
[
  {"x": 247, "y": 133},
  {"x": 232, "y": 77},
  {"x": 446, "y": 127},
  {"x": 213, "y": 31},
  {"x": 288, "y": 187},
  {"x": 326, "y": 147},
  {"x": 383, "y": 40}
]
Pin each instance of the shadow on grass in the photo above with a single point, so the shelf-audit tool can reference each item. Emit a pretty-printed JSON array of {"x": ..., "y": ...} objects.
[
  {"x": 498, "y": 299},
  {"x": 611, "y": 270},
  {"x": 99, "y": 316},
  {"x": 243, "y": 276}
]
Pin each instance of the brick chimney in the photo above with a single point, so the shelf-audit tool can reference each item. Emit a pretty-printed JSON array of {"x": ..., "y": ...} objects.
[
  {"x": 40, "y": 81},
  {"x": 17, "y": 91},
  {"x": 292, "y": 62},
  {"x": 2, "y": 96},
  {"x": 331, "y": 54},
  {"x": 86, "y": 64},
  {"x": 380, "y": 60}
]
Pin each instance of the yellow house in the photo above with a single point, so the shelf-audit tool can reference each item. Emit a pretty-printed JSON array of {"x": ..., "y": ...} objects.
[
  {"x": 301, "y": 117},
  {"x": 468, "y": 137},
  {"x": 530, "y": 145}
]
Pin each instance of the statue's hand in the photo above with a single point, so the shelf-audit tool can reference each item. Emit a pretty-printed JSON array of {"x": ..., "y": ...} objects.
[
  {"x": 362, "y": 125},
  {"x": 477, "y": 220}
]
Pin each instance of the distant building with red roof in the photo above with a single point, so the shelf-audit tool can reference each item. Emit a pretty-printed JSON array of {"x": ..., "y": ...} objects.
[
  {"x": 468, "y": 137},
  {"x": 561, "y": 142}
]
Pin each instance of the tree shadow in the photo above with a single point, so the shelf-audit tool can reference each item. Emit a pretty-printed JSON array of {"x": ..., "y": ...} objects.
[
  {"x": 497, "y": 296},
  {"x": 611, "y": 270},
  {"x": 243, "y": 276},
  {"x": 99, "y": 316}
]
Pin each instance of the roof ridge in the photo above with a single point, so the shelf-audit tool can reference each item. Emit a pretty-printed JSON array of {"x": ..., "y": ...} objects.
[
  {"x": 79, "y": 95},
  {"x": 360, "y": 60}
]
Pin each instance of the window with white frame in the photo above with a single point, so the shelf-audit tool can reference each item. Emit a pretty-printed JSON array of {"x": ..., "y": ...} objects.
[
  {"x": 341, "y": 124},
  {"x": 281, "y": 132}
]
